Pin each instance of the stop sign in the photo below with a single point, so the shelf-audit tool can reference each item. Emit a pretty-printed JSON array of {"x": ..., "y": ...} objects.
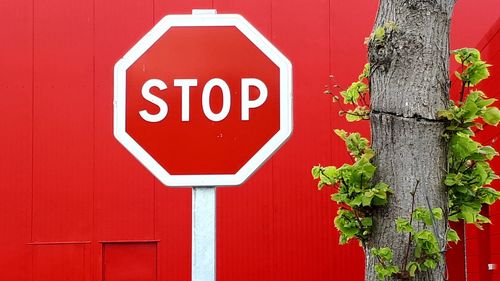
[{"x": 203, "y": 100}]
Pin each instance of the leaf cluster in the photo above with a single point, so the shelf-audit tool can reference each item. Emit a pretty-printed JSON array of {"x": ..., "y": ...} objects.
[
  {"x": 356, "y": 194},
  {"x": 474, "y": 70},
  {"x": 357, "y": 95},
  {"x": 380, "y": 33},
  {"x": 384, "y": 267},
  {"x": 469, "y": 173},
  {"x": 427, "y": 251}
]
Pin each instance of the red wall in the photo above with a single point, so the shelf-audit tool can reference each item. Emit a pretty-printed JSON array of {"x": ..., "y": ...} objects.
[
  {"x": 483, "y": 247},
  {"x": 74, "y": 205}
]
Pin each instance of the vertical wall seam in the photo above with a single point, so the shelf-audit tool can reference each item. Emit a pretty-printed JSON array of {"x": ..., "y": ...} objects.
[
  {"x": 32, "y": 248},
  {"x": 331, "y": 105},
  {"x": 32, "y": 116},
  {"x": 93, "y": 238}
]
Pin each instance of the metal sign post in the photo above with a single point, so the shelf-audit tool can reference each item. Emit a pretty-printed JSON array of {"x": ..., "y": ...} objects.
[{"x": 203, "y": 234}]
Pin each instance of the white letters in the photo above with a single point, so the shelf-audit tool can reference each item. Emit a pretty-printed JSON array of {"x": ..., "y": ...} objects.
[
  {"x": 226, "y": 99},
  {"x": 154, "y": 99},
  {"x": 246, "y": 103},
  {"x": 185, "y": 84}
]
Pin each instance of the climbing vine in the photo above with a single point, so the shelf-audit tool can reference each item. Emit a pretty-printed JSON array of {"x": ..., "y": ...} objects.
[{"x": 467, "y": 180}]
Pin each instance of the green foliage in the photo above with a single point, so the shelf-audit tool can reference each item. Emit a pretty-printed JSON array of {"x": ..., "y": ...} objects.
[
  {"x": 380, "y": 33},
  {"x": 452, "y": 236},
  {"x": 384, "y": 267},
  {"x": 467, "y": 180},
  {"x": 469, "y": 172},
  {"x": 474, "y": 70},
  {"x": 350, "y": 225},
  {"x": 404, "y": 225},
  {"x": 352, "y": 94},
  {"x": 356, "y": 193},
  {"x": 427, "y": 251},
  {"x": 365, "y": 73},
  {"x": 424, "y": 215},
  {"x": 356, "y": 95}
]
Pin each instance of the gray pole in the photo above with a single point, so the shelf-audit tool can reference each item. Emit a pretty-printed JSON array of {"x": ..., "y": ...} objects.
[{"x": 203, "y": 236}]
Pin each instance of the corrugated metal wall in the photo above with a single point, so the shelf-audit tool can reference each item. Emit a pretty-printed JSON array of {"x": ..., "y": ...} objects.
[
  {"x": 74, "y": 205},
  {"x": 483, "y": 247}
]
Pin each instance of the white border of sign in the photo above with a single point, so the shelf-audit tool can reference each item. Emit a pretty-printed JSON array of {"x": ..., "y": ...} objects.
[{"x": 203, "y": 20}]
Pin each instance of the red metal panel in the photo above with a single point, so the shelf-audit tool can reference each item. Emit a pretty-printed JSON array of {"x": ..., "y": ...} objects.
[
  {"x": 15, "y": 138},
  {"x": 129, "y": 262},
  {"x": 467, "y": 27},
  {"x": 63, "y": 121},
  {"x": 163, "y": 8},
  {"x": 61, "y": 262},
  {"x": 305, "y": 244},
  {"x": 455, "y": 255},
  {"x": 124, "y": 193},
  {"x": 257, "y": 12}
]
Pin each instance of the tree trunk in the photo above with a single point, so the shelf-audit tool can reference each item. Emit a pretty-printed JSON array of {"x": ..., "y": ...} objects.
[{"x": 409, "y": 83}]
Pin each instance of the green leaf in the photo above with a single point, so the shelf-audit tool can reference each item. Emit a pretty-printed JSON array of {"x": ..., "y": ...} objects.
[
  {"x": 352, "y": 94},
  {"x": 359, "y": 113},
  {"x": 423, "y": 215},
  {"x": 475, "y": 73},
  {"x": 452, "y": 236},
  {"x": 383, "y": 253},
  {"x": 315, "y": 172},
  {"x": 367, "y": 222},
  {"x": 350, "y": 117},
  {"x": 491, "y": 116},
  {"x": 403, "y": 225},
  {"x": 488, "y": 151},
  {"x": 452, "y": 179},
  {"x": 445, "y": 114},
  {"x": 346, "y": 223},
  {"x": 379, "y": 33},
  {"x": 462, "y": 145},
  {"x": 482, "y": 219},
  {"x": 488, "y": 195},
  {"x": 469, "y": 216},
  {"x": 412, "y": 267},
  {"x": 330, "y": 171},
  {"x": 426, "y": 243},
  {"x": 466, "y": 55},
  {"x": 430, "y": 264},
  {"x": 437, "y": 213},
  {"x": 365, "y": 73},
  {"x": 341, "y": 133}
]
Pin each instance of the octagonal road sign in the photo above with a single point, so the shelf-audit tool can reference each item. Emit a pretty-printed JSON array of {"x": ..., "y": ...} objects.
[{"x": 203, "y": 100}]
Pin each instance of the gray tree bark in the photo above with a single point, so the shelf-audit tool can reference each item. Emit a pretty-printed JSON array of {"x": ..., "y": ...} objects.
[{"x": 409, "y": 83}]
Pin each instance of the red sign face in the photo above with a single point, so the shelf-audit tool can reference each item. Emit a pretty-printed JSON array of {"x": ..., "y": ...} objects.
[{"x": 203, "y": 100}]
